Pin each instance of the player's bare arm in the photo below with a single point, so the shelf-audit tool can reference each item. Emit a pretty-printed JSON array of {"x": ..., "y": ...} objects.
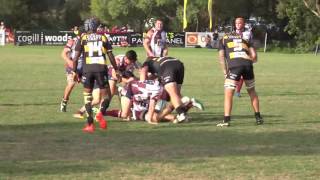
[
  {"x": 146, "y": 43},
  {"x": 66, "y": 58},
  {"x": 143, "y": 73},
  {"x": 253, "y": 54},
  {"x": 150, "y": 116},
  {"x": 222, "y": 61},
  {"x": 75, "y": 60}
]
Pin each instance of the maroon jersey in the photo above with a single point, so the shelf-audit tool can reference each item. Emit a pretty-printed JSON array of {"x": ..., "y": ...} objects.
[{"x": 140, "y": 93}]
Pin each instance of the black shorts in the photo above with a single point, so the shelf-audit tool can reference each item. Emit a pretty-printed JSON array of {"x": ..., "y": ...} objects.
[
  {"x": 235, "y": 73},
  {"x": 171, "y": 71},
  {"x": 90, "y": 78}
]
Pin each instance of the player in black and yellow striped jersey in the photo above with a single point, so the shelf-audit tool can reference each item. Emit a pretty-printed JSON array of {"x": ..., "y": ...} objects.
[
  {"x": 236, "y": 56},
  {"x": 94, "y": 48}
]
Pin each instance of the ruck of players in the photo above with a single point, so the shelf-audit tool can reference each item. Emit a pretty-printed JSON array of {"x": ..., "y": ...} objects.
[{"x": 149, "y": 91}]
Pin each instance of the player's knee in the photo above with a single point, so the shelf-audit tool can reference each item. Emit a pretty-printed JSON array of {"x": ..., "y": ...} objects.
[
  {"x": 70, "y": 81},
  {"x": 230, "y": 85},
  {"x": 250, "y": 84}
]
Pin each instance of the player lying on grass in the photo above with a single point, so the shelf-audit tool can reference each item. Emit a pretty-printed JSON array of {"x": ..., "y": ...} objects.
[{"x": 145, "y": 100}]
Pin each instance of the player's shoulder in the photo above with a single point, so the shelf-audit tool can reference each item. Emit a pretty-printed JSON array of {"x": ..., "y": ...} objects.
[{"x": 70, "y": 43}]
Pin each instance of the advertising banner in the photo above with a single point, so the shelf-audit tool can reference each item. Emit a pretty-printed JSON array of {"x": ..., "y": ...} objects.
[
  {"x": 196, "y": 39},
  {"x": 174, "y": 39},
  {"x": 42, "y": 37}
]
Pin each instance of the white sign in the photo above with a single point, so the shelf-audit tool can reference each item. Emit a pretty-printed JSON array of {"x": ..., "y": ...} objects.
[{"x": 2, "y": 37}]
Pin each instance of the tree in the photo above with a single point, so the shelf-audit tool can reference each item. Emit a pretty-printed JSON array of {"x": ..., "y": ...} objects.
[
  {"x": 302, "y": 23},
  {"x": 13, "y": 12},
  {"x": 313, "y": 6}
]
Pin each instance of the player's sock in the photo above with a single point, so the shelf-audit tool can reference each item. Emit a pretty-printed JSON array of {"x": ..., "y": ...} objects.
[
  {"x": 87, "y": 101},
  {"x": 181, "y": 109},
  {"x": 63, "y": 105},
  {"x": 113, "y": 113},
  {"x": 104, "y": 106},
  {"x": 226, "y": 119}
]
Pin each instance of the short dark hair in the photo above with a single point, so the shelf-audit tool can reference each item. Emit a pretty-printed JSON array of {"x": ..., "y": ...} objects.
[{"x": 131, "y": 55}]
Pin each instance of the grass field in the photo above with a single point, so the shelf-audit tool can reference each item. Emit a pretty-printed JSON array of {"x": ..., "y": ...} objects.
[{"x": 38, "y": 142}]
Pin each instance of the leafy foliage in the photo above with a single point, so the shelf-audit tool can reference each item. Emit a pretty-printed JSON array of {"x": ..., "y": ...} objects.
[{"x": 301, "y": 23}]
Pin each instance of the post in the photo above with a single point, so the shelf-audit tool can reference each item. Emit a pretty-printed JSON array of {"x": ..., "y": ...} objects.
[
  {"x": 317, "y": 48},
  {"x": 265, "y": 42},
  {"x": 2, "y": 37}
]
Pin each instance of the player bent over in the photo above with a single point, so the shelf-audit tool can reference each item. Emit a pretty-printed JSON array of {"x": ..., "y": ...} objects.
[
  {"x": 126, "y": 64},
  {"x": 170, "y": 72},
  {"x": 236, "y": 57}
]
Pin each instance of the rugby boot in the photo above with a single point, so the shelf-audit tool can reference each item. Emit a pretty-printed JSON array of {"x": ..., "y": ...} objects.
[
  {"x": 95, "y": 110},
  {"x": 78, "y": 114},
  {"x": 196, "y": 103},
  {"x": 259, "y": 120},
  {"x": 237, "y": 94},
  {"x": 182, "y": 117},
  {"x": 224, "y": 124},
  {"x": 102, "y": 122},
  {"x": 63, "y": 106},
  {"x": 89, "y": 128}
]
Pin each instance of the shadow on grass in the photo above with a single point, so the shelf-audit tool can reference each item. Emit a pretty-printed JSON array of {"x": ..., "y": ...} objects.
[
  {"x": 61, "y": 148},
  {"x": 200, "y": 117},
  {"x": 29, "y": 104},
  {"x": 289, "y": 94}
]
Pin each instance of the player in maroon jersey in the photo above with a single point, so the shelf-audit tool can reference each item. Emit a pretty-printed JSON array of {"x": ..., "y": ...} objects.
[{"x": 67, "y": 55}]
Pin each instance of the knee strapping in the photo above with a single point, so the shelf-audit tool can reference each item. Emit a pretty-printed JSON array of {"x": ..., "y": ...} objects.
[
  {"x": 250, "y": 84},
  {"x": 87, "y": 97},
  {"x": 230, "y": 85}
]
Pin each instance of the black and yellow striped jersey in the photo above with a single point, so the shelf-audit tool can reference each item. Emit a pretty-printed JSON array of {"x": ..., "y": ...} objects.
[
  {"x": 236, "y": 50},
  {"x": 94, "y": 48}
]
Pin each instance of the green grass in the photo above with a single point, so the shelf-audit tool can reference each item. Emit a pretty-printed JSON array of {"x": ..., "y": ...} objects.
[{"x": 38, "y": 142}]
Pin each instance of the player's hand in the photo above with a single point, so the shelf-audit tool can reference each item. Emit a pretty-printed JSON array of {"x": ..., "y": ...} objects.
[
  {"x": 118, "y": 74},
  {"x": 70, "y": 64},
  {"x": 150, "y": 54},
  {"x": 75, "y": 76}
]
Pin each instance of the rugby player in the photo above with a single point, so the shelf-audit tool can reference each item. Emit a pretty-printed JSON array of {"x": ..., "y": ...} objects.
[
  {"x": 125, "y": 63},
  {"x": 94, "y": 48},
  {"x": 170, "y": 73},
  {"x": 155, "y": 42},
  {"x": 246, "y": 34},
  {"x": 67, "y": 55},
  {"x": 236, "y": 56},
  {"x": 143, "y": 100}
]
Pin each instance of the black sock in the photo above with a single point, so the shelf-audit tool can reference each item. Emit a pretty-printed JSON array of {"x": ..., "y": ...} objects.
[
  {"x": 257, "y": 114},
  {"x": 104, "y": 106},
  {"x": 181, "y": 109},
  {"x": 65, "y": 101},
  {"x": 226, "y": 119}
]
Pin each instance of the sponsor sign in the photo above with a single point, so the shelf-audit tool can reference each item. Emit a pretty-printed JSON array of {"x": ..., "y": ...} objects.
[
  {"x": 136, "y": 39},
  {"x": 176, "y": 39},
  {"x": 42, "y": 37},
  {"x": 196, "y": 39}
]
